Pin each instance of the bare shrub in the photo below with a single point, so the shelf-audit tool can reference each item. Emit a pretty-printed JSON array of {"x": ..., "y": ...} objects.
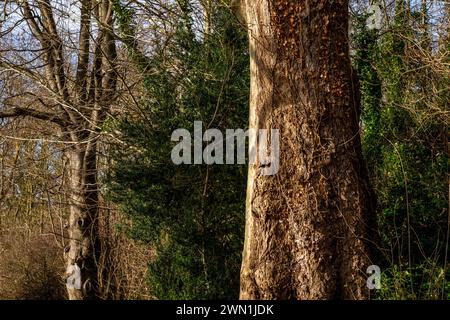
[
  {"x": 30, "y": 268},
  {"x": 124, "y": 262}
]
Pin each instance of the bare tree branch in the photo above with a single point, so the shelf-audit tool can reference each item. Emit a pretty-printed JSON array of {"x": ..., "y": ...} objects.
[
  {"x": 27, "y": 112},
  {"x": 54, "y": 40},
  {"x": 83, "y": 55}
]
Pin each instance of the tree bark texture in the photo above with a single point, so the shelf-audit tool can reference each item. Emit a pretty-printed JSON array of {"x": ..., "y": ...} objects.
[
  {"x": 84, "y": 246},
  {"x": 306, "y": 225}
]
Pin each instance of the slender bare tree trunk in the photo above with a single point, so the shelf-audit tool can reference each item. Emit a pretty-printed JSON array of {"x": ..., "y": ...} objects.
[
  {"x": 305, "y": 226},
  {"x": 83, "y": 98}
]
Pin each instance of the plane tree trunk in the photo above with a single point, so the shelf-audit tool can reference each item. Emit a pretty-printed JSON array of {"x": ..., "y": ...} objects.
[{"x": 306, "y": 225}]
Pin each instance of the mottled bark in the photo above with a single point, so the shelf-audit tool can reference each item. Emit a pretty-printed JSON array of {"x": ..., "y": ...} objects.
[
  {"x": 94, "y": 100},
  {"x": 305, "y": 226},
  {"x": 83, "y": 248}
]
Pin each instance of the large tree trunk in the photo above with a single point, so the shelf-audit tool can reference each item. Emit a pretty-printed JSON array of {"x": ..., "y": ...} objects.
[
  {"x": 83, "y": 250},
  {"x": 305, "y": 226}
]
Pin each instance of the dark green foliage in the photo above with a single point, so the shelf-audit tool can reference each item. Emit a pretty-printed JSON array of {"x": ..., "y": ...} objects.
[
  {"x": 366, "y": 42},
  {"x": 193, "y": 215},
  {"x": 407, "y": 159}
]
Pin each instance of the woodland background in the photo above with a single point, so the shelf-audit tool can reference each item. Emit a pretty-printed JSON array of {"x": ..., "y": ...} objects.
[{"x": 176, "y": 232}]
